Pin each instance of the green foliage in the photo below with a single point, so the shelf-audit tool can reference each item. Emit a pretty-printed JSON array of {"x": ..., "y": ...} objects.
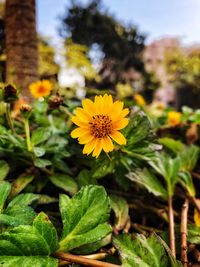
[
  {"x": 168, "y": 168},
  {"x": 149, "y": 181},
  {"x": 141, "y": 251},
  {"x": 84, "y": 217},
  {"x": 39, "y": 261},
  {"x": 17, "y": 211},
  {"x": 65, "y": 182},
  {"x": 29, "y": 245},
  {"x": 173, "y": 145},
  {"x": 89, "y": 200},
  {"x": 120, "y": 207},
  {"x": 4, "y": 169}
]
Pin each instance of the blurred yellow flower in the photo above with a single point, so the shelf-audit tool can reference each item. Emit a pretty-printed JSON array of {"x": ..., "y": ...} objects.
[
  {"x": 139, "y": 99},
  {"x": 173, "y": 118},
  {"x": 196, "y": 215},
  {"x": 98, "y": 123},
  {"x": 124, "y": 90},
  {"x": 160, "y": 106},
  {"x": 40, "y": 88}
]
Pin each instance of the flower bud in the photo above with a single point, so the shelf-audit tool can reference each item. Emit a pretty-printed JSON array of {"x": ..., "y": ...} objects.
[
  {"x": 55, "y": 101},
  {"x": 10, "y": 93},
  {"x": 26, "y": 110}
]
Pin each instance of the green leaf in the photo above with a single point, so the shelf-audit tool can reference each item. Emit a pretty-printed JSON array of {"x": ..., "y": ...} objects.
[
  {"x": 138, "y": 129},
  {"x": 173, "y": 261},
  {"x": 65, "y": 182},
  {"x": 168, "y": 168},
  {"x": 89, "y": 248},
  {"x": 175, "y": 146},
  {"x": 141, "y": 251},
  {"x": 24, "y": 261},
  {"x": 193, "y": 234},
  {"x": 47, "y": 231},
  {"x": 189, "y": 157},
  {"x": 187, "y": 182},
  {"x": 40, "y": 135},
  {"x": 4, "y": 169},
  {"x": 42, "y": 163},
  {"x": 39, "y": 151},
  {"x": 5, "y": 188},
  {"x": 141, "y": 140},
  {"x": 120, "y": 208},
  {"x": 45, "y": 199},
  {"x": 102, "y": 167},
  {"x": 61, "y": 165},
  {"x": 23, "y": 199},
  {"x": 148, "y": 180},
  {"x": 20, "y": 183},
  {"x": 17, "y": 215},
  {"x": 84, "y": 217},
  {"x": 85, "y": 178},
  {"x": 35, "y": 240}
]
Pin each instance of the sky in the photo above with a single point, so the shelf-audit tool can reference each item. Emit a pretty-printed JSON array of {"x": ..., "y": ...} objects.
[{"x": 154, "y": 18}]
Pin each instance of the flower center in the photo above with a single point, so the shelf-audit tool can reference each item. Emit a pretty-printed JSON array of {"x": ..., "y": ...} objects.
[
  {"x": 41, "y": 89},
  {"x": 101, "y": 126}
]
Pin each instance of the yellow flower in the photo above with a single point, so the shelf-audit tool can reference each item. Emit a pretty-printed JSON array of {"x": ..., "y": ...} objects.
[
  {"x": 98, "y": 123},
  {"x": 40, "y": 88},
  {"x": 196, "y": 215},
  {"x": 173, "y": 118},
  {"x": 139, "y": 99}
]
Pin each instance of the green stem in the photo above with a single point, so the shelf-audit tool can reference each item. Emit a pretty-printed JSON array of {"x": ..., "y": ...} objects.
[
  {"x": 65, "y": 109},
  {"x": 8, "y": 117},
  {"x": 27, "y": 132}
]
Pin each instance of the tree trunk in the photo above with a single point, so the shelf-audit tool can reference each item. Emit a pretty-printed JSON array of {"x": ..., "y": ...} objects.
[{"x": 21, "y": 44}]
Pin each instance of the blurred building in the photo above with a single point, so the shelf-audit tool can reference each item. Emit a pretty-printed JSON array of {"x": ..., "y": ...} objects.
[{"x": 154, "y": 57}]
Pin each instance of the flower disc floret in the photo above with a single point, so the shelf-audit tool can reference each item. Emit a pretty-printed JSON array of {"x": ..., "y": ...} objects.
[{"x": 99, "y": 123}]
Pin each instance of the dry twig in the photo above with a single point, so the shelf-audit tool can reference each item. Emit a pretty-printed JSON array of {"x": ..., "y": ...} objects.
[
  {"x": 184, "y": 218},
  {"x": 171, "y": 227},
  {"x": 82, "y": 260}
]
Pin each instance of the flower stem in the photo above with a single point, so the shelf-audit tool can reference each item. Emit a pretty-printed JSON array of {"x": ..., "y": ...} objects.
[
  {"x": 171, "y": 227},
  {"x": 65, "y": 109},
  {"x": 27, "y": 132},
  {"x": 8, "y": 117},
  {"x": 184, "y": 217}
]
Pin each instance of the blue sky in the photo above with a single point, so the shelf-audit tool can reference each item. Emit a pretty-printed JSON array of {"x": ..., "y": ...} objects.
[{"x": 155, "y": 18}]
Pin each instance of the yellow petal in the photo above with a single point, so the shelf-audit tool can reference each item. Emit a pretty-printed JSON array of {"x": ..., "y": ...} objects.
[
  {"x": 82, "y": 115},
  {"x": 118, "y": 138},
  {"x": 107, "y": 144},
  {"x": 98, "y": 101},
  {"x": 107, "y": 104},
  {"x": 98, "y": 148},
  {"x": 78, "y": 132},
  {"x": 89, "y": 147},
  {"x": 78, "y": 122},
  {"x": 85, "y": 138},
  {"x": 124, "y": 112},
  {"x": 120, "y": 124},
  {"x": 116, "y": 109},
  {"x": 88, "y": 106}
]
